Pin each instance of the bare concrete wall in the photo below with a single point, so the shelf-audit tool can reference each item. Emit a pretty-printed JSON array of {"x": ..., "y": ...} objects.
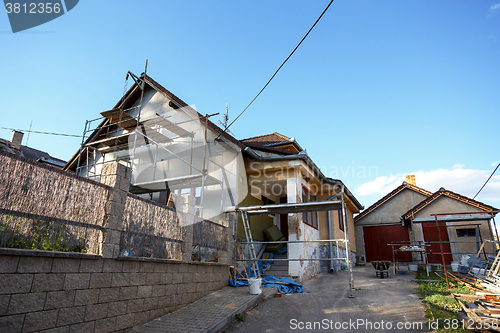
[{"x": 391, "y": 211}]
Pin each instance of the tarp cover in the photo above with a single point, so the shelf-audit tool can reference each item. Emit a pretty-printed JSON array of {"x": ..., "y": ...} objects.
[{"x": 268, "y": 282}]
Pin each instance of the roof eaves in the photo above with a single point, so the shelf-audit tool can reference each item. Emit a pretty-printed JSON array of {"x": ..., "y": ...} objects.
[{"x": 442, "y": 191}]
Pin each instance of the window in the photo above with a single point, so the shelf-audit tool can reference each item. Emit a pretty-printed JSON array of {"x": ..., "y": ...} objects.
[
  {"x": 310, "y": 218},
  {"x": 470, "y": 232},
  {"x": 341, "y": 220}
]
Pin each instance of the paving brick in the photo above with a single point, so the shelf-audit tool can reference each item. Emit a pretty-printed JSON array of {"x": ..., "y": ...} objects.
[
  {"x": 15, "y": 283},
  {"x": 34, "y": 265},
  {"x": 170, "y": 289},
  {"x": 96, "y": 311},
  {"x": 117, "y": 308},
  {"x": 144, "y": 291},
  {"x": 12, "y": 324},
  {"x": 150, "y": 303},
  {"x": 47, "y": 282},
  {"x": 141, "y": 317},
  {"x": 130, "y": 266},
  {"x": 164, "y": 302},
  {"x": 146, "y": 267},
  {"x": 86, "y": 297},
  {"x": 160, "y": 267},
  {"x": 21, "y": 303},
  {"x": 105, "y": 325},
  {"x": 109, "y": 295},
  {"x": 83, "y": 327},
  {"x": 177, "y": 278},
  {"x": 166, "y": 278},
  {"x": 8, "y": 264},
  {"x": 4, "y": 304},
  {"x": 77, "y": 281},
  {"x": 100, "y": 280},
  {"x": 112, "y": 266},
  {"x": 187, "y": 277},
  {"x": 37, "y": 321},
  {"x": 183, "y": 268},
  {"x": 173, "y": 268},
  {"x": 127, "y": 293},
  {"x": 68, "y": 316},
  {"x": 135, "y": 305},
  {"x": 159, "y": 290},
  {"x": 120, "y": 279},
  {"x": 138, "y": 279},
  {"x": 65, "y": 265},
  {"x": 59, "y": 299},
  {"x": 91, "y": 266},
  {"x": 153, "y": 278},
  {"x": 64, "y": 329},
  {"x": 125, "y": 321}
]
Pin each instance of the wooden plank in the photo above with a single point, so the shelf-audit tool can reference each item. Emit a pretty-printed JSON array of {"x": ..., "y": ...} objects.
[
  {"x": 120, "y": 118},
  {"x": 169, "y": 126}
]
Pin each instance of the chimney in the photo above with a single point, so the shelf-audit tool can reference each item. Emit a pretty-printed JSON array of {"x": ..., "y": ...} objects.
[
  {"x": 16, "y": 139},
  {"x": 410, "y": 179}
]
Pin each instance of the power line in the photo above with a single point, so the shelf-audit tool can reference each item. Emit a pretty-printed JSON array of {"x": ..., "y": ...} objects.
[
  {"x": 487, "y": 181},
  {"x": 37, "y": 132},
  {"x": 272, "y": 77}
]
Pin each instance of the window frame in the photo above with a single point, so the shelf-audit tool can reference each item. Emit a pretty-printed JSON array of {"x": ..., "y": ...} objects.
[{"x": 465, "y": 232}]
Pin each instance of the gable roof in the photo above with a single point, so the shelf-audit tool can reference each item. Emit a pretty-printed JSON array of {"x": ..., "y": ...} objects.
[
  {"x": 274, "y": 142},
  {"x": 391, "y": 195},
  {"x": 131, "y": 96},
  {"x": 442, "y": 191},
  {"x": 267, "y": 139}
]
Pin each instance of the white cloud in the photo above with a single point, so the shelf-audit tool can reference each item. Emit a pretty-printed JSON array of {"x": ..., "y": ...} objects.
[
  {"x": 494, "y": 164},
  {"x": 494, "y": 9},
  {"x": 463, "y": 181},
  {"x": 458, "y": 166}
]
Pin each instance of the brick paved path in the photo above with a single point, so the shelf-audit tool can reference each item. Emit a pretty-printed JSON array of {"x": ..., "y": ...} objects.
[{"x": 208, "y": 314}]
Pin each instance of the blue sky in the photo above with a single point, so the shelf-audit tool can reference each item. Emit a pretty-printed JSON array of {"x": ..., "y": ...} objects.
[{"x": 381, "y": 88}]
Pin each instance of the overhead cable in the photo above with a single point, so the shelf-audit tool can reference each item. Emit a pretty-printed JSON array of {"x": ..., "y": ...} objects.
[
  {"x": 272, "y": 77},
  {"x": 487, "y": 181},
  {"x": 37, "y": 132}
]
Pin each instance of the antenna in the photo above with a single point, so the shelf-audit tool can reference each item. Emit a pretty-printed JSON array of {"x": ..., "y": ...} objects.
[
  {"x": 225, "y": 117},
  {"x": 29, "y": 131}
]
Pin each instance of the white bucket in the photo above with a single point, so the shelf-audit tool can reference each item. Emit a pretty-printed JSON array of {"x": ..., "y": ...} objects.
[
  {"x": 254, "y": 285},
  {"x": 413, "y": 268},
  {"x": 454, "y": 266}
]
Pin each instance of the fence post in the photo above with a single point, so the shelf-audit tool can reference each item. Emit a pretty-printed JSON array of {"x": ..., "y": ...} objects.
[{"x": 115, "y": 176}]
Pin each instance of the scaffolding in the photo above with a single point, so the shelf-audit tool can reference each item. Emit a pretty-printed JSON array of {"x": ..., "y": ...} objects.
[
  {"x": 167, "y": 149},
  {"x": 453, "y": 217},
  {"x": 291, "y": 208}
]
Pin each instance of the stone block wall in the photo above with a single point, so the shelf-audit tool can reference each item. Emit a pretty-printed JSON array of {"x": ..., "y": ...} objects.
[{"x": 68, "y": 292}]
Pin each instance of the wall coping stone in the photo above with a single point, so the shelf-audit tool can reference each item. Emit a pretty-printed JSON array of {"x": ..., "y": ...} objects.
[{"x": 42, "y": 253}]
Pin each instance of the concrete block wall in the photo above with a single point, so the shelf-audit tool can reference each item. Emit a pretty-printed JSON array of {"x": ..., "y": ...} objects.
[{"x": 69, "y": 292}]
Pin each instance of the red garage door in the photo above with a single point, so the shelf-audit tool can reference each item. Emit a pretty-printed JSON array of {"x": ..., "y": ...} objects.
[
  {"x": 431, "y": 236},
  {"x": 377, "y": 238}
]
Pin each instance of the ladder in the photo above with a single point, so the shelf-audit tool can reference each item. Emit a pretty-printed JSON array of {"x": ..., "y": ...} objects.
[{"x": 248, "y": 235}]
